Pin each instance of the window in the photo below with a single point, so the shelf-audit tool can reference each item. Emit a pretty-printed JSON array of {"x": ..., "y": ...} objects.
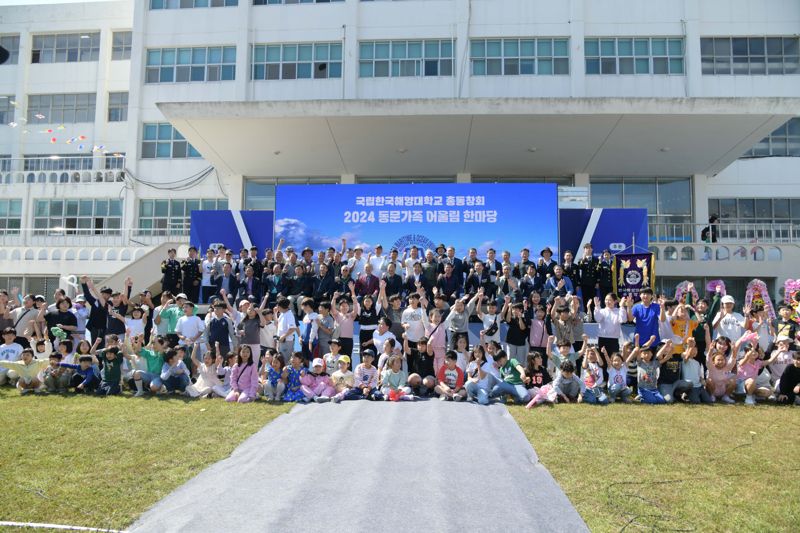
[
  {"x": 5, "y": 163},
  {"x": 43, "y": 162},
  {"x": 271, "y": 2},
  {"x": 783, "y": 142},
  {"x": 512, "y": 57},
  {"x": 69, "y": 108},
  {"x": 297, "y": 61},
  {"x": 756, "y": 210},
  {"x": 117, "y": 107},
  {"x": 161, "y": 141},
  {"x": 213, "y": 63},
  {"x": 187, "y": 4},
  {"x": 613, "y": 55},
  {"x": 121, "y": 48},
  {"x": 750, "y": 55},
  {"x": 85, "y": 217},
  {"x": 260, "y": 193},
  {"x": 6, "y": 110},
  {"x": 10, "y": 216},
  {"x": 65, "y": 47},
  {"x": 563, "y": 181},
  {"x": 115, "y": 161},
  {"x": 11, "y": 43},
  {"x": 172, "y": 217},
  {"x": 668, "y": 202},
  {"x": 383, "y": 59}
]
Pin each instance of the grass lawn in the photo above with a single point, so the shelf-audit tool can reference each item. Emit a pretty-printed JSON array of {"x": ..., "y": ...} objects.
[
  {"x": 673, "y": 468},
  {"x": 101, "y": 462}
]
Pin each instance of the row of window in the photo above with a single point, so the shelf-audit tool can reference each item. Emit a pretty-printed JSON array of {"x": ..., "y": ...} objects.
[
  {"x": 156, "y": 217},
  {"x": 783, "y": 142},
  {"x": 544, "y": 56},
  {"x": 756, "y": 210},
  {"x": 161, "y": 141},
  {"x": 67, "y": 108}
]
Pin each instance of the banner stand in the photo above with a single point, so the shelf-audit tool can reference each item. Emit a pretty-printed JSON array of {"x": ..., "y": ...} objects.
[{"x": 633, "y": 271}]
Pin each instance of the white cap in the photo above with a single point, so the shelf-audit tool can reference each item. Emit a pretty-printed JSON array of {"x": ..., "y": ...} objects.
[{"x": 728, "y": 299}]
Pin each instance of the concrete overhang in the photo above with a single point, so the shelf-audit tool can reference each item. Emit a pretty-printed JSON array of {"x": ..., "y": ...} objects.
[{"x": 481, "y": 136}]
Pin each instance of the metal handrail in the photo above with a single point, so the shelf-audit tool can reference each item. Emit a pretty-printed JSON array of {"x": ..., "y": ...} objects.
[
  {"x": 726, "y": 232},
  {"x": 91, "y": 237}
]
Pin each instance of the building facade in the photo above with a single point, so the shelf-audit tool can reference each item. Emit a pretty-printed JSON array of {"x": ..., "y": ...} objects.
[{"x": 153, "y": 108}]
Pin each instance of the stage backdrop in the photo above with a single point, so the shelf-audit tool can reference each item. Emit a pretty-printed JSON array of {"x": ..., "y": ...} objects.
[
  {"x": 498, "y": 215},
  {"x": 234, "y": 229},
  {"x": 605, "y": 228}
]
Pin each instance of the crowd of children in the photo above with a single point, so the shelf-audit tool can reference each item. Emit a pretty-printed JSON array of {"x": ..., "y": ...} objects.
[{"x": 410, "y": 334}]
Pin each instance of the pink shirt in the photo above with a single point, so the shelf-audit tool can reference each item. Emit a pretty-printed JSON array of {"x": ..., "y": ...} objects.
[
  {"x": 749, "y": 370},
  {"x": 438, "y": 338},
  {"x": 538, "y": 334},
  {"x": 345, "y": 322}
]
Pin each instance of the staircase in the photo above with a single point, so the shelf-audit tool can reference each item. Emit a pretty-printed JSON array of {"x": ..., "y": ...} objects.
[{"x": 145, "y": 271}]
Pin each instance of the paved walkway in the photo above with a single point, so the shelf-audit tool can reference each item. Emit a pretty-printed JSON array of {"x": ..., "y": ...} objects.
[{"x": 374, "y": 467}]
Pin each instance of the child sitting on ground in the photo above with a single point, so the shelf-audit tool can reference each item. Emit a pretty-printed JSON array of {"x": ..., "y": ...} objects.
[
  {"x": 84, "y": 379},
  {"x": 273, "y": 375},
  {"x": 317, "y": 385},
  {"x": 56, "y": 377},
  {"x": 512, "y": 379},
  {"x": 174, "y": 374},
  {"x": 567, "y": 386},
  {"x": 343, "y": 379},
  {"x": 294, "y": 373},
  {"x": 451, "y": 379},
  {"x": 784, "y": 357},
  {"x": 244, "y": 377},
  {"x": 647, "y": 369},
  {"x": 789, "y": 390},
  {"x": 332, "y": 357},
  {"x": 692, "y": 372},
  {"x": 536, "y": 375},
  {"x": 563, "y": 352},
  {"x": 749, "y": 367},
  {"x": 27, "y": 370},
  {"x": 394, "y": 380},
  {"x": 617, "y": 375},
  {"x": 206, "y": 374},
  {"x": 366, "y": 380},
  {"x": 592, "y": 374}
]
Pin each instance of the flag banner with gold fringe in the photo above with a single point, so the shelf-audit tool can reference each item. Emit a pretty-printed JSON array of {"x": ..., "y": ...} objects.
[{"x": 632, "y": 273}]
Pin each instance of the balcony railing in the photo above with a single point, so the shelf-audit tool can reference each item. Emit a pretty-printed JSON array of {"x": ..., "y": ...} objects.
[
  {"x": 742, "y": 232},
  {"x": 66, "y": 169},
  {"x": 135, "y": 237}
]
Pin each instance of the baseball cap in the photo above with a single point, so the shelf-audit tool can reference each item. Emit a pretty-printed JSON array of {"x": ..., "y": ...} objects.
[
  {"x": 783, "y": 338},
  {"x": 182, "y": 295},
  {"x": 317, "y": 362},
  {"x": 368, "y": 352},
  {"x": 39, "y": 297},
  {"x": 344, "y": 358},
  {"x": 727, "y": 299},
  {"x": 379, "y": 246},
  {"x": 106, "y": 290},
  {"x": 80, "y": 298},
  {"x": 335, "y": 341}
]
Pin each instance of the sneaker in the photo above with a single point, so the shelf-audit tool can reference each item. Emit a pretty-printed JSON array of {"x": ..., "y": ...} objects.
[
  {"x": 62, "y": 391},
  {"x": 713, "y": 399},
  {"x": 443, "y": 398},
  {"x": 139, "y": 394},
  {"x": 458, "y": 398},
  {"x": 322, "y": 399},
  {"x": 336, "y": 399},
  {"x": 749, "y": 400},
  {"x": 23, "y": 392},
  {"x": 772, "y": 398},
  {"x": 727, "y": 399}
]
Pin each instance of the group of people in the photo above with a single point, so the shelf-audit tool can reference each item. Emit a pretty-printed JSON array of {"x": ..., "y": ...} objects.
[{"x": 291, "y": 328}]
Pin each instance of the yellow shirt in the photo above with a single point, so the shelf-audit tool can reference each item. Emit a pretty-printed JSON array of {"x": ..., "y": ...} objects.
[
  {"x": 27, "y": 372},
  {"x": 681, "y": 329}
]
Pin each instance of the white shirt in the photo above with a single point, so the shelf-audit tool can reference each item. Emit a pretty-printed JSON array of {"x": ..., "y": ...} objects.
[
  {"x": 461, "y": 362},
  {"x": 488, "y": 320},
  {"x": 285, "y": 323},
  {"x": 268, "y": 333},
  {"x": 22, "y": 317},
  {"x": 189, "y": 327},
  {"x": 410, "y": 265},
  {"x": 609, "y": 322},
  {"x": 208, "y": 267},
  {"x": 378, "y": 340},
  {"x": 416, "y": 319},
  {"x": 10, "y": 352},
  {"x": 357, "y": 266},
  {"x": 730, "y": 326},
  {"x": 377, "y": 262},
  {"x": 310, "y": 320},
  {"x": 618, "y": 377}
]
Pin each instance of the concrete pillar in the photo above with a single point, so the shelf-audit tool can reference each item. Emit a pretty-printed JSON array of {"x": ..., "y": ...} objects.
[
  {"x": 577, "y": 66},
  {"x": 348, "y": 179},
  {"x": 463, "y": 177},
  {"x": 692, "y": 63},
  {"x": 243, "y": 82},
  {"x": 234, "y": 186},
  {"x": 581, "y": 180}
]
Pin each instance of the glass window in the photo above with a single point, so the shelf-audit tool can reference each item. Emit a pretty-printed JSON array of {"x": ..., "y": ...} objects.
[
  {"x": 10, "y": 216},
  {"x": 659, "y": 55},
  {"x": 172, "y": 217},
  {"x": 101, "y": 216},
  {"x": 519, "y": 57},
  {"x": 750, "y": 55},
  {"x": 188, "y": 4},
  {"x": 270, "y": 2},
  {"x": 118, "y": 107},
  {"x": 783, "y": 142},
  {"x": 258, "y": 195},
  {"x": 606, "y": 194},
  {"x": 167, "y": 65},
  {"x": 66, "y": 47},
  {"x": 6, "y": 109},
  {"x": 675, "y": 196},
  {"x": 121, "y": 45},
  {"x": 11, "y": 43},
  {"x": 296, "y": 61},
  {"x": 381, "y": 59},
  {"x": 161, "y": 141},
  {"x": 61, "y": 108}
]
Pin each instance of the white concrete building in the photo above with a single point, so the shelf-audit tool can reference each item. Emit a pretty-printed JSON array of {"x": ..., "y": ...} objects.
[{"x": 680, "y": 106}]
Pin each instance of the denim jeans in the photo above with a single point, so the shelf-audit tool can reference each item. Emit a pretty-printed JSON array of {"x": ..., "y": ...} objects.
[
  {"x": 479, "y": 393},
  {"x": 595, "y": 396},
  {"x": 519, "y": 392},
  {"x": 699, "y": 394},
  {"x": 620, "y": 391},
  {"x": 179, "y": 382}
]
